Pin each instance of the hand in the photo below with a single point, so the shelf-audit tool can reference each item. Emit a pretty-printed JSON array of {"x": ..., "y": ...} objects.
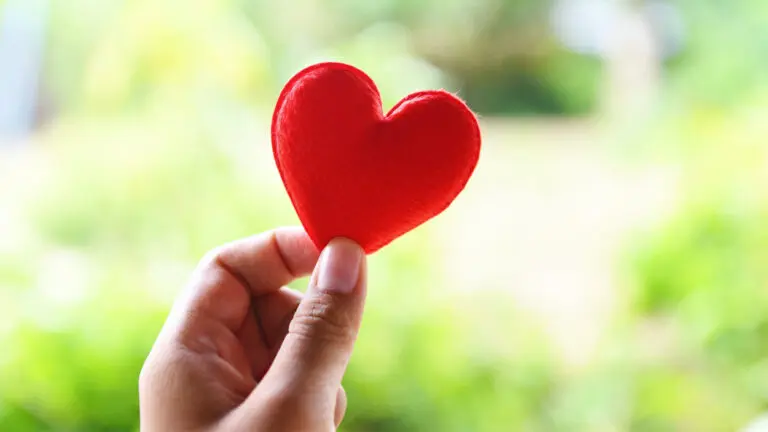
[{"x": 240, "y": 351}]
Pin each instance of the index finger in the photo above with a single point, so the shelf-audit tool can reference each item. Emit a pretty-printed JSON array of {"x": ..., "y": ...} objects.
[
  {"x": 230, "y": 275},
  {"x": 267, "y": 261}
]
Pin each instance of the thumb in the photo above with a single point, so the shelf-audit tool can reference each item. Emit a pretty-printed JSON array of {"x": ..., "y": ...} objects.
[{"x": 317, "y": 348}]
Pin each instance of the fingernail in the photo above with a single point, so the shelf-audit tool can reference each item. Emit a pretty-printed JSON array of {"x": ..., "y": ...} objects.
[{"x": 339, "y": 266}]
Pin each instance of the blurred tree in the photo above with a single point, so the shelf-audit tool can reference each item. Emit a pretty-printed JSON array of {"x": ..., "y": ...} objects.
[
  {"x": 726, "y": 53},
  {"x": 704, "y": 273},
  {"x": 500, "y": 55},
  {"x": 503, "y": 57}
]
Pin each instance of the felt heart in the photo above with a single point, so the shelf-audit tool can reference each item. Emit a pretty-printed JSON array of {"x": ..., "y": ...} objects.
[{"x": 352, "y": 171}]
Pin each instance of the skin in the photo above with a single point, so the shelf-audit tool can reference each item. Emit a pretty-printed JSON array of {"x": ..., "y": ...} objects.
[{"x": 240, "y": 351}]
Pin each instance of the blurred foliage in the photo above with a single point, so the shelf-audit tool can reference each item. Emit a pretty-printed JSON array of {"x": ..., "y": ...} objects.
[
  {"x": 701, "y": 277},
  {"x": 160, "y": 152},
  {"x": 705, "y": 273},
  {"x": 498, "y": 54},
  {"x": 726, "y": 52}
]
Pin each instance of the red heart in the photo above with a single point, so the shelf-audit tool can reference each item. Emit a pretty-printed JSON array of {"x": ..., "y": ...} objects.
[{"x": 352, "y": 171}]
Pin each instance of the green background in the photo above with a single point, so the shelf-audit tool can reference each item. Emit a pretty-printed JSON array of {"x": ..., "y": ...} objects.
[{"x": 154, "y": 152}]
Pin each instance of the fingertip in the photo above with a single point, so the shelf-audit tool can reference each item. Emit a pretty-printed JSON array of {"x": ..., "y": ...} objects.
[{"x": 339, "y": 267}]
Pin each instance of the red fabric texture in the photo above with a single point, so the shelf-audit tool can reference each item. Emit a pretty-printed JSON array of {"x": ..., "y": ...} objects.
[{"x": 352, "y": 171}]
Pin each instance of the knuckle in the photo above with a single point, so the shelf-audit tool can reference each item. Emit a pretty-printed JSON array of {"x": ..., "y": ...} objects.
[
  {"x": 321, "y": 319},
  {"x": 211, "y": 258}
]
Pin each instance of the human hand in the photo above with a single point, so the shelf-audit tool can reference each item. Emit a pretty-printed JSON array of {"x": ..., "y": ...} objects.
[{"x": 240, "y": 351}]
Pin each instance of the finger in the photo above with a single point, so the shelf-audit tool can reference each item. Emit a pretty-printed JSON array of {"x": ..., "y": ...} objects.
[
  {"x": 341, "y": 407},
  {"x": 263, "y": 330},
  {"x": 230, "y": 275},
  {"x": 319, "y": 343},
  {"x": 267, "y": 261},
  {"x": 274, "y": 313}
]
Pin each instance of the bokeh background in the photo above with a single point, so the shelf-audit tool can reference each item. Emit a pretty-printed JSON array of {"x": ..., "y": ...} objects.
[{"x": 605, "y": 270}]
